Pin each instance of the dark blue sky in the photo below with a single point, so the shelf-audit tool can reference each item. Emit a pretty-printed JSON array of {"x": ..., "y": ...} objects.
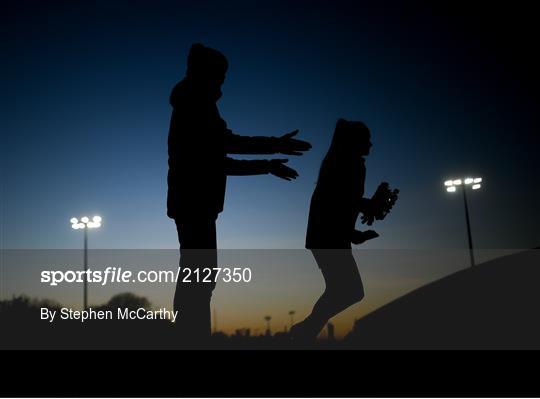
[{"x": 446, "y": 94}]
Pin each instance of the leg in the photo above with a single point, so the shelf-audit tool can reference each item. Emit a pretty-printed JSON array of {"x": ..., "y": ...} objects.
[
  {"x": 343, "y": 284},
  {"x": 192, "y": 299},
  {"x": 343, "y": 289}
]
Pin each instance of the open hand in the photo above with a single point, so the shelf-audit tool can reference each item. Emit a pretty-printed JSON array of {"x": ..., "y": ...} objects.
[
  {"x": 289, "y": 146},
  {"x": 360, "y": 237},
  {"x": 279, "y": 169}
]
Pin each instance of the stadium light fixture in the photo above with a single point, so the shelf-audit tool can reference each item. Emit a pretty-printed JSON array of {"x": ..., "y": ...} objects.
[
  {"x": 85, "y": 223},
  {"x": 452, "y": 187}
]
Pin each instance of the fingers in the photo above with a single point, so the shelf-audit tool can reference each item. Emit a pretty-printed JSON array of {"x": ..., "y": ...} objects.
[
  {"x": 280, "y": 170},
  {"x": 301, "y": 144},
  {"x": 285, "y": 177},
  {"x": 367, "y": 219},
  {"x": 370, "y": 234},
  {"x": 292, "y": 153},
  {"x": 305, "y": 144},
  {"x": 292, "y": 146},
  {"x": 291, "y": 134},
  {"x": 290, "y": 173}
]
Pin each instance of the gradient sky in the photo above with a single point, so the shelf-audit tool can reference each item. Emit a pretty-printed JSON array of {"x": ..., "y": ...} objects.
[
  {"x": 445, "y": 93},
  {"x": 86, "y": 108}
]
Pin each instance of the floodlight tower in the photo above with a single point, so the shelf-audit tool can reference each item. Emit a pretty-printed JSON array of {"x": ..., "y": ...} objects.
[
  {"x": 267, "y": 319},
  {"x": 291, "y": 315},
  {"x": 86, "y": 224},
  {"x": 451, "y": 187}
]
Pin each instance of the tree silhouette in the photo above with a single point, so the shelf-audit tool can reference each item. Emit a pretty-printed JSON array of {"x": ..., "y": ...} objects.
[{"x": 128, "y": 300}]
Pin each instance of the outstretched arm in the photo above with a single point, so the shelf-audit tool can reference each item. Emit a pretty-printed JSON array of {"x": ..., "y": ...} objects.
[
  {"x": 236, "y": 167},
  {"x": 236, "y": 144}
]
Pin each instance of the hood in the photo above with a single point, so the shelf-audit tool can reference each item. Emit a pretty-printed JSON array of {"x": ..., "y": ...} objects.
[
  {"x": 188, "y": 90},
  {"x": 205, "y": 62}
]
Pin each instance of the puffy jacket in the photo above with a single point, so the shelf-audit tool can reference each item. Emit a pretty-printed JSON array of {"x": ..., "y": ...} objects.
[{"x": 198, "y": 143}]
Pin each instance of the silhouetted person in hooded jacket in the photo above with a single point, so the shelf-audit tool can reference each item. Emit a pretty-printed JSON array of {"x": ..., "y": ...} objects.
[
  {"x": 198, "y": 144},
  {"x": 336, "y": 203}
]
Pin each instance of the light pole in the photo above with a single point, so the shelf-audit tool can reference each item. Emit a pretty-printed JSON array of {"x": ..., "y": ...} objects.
[
  {"x": 86, "y": 224},
  {"x": 451, "y": 187},
  {"x": 291, "y": 315},
  {"x": 267, "y": 319},
  {"x": 215, "y": 320}
]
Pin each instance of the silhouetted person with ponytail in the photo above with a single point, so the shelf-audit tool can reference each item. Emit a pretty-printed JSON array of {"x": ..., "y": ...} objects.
[
  {"x": 198, "y": 144},
  {"x": 337, "y": 201}
]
